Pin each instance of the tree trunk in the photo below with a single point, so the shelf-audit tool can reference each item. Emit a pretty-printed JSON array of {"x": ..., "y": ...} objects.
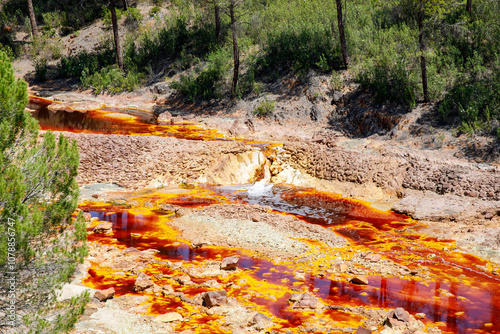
[
  {"x": 125, "y": 5},
  {"x": 343, "y": 43},
  {"x": 468, "y": 7},
  {"x": 423, "y": 65},
  {"x": 217, "y": 22},
  {"x": 34, "y": 28},
  {"x": 111, "y": 5},
  {"x": 236, "y": 53}
]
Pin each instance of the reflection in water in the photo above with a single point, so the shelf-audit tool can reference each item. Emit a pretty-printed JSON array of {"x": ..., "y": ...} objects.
[
  {"x": 106, "y": 122},
  {"x": 460, "y": 297}
]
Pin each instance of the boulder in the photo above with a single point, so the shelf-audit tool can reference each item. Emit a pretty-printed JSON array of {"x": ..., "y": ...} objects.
[
  {"x": 103, "y": 227},
  {"x": 360, "y": 280},
  {"x": 229, "y": 263},
  {"x": 142, "y": 282},
  {"x": 103, "y": 295},
  {"x": 215, "y": 298},
  {"x": 260, "y": 322}
]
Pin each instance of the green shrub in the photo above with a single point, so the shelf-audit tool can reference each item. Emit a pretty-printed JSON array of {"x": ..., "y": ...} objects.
[
  {"x": 474, "y": 103},
  {"x": 265, "y": 108},
  {"x": 206, "y": 85},
  {"x": 154, "y": 11},
  {"x": 203, "y": 86},
  {"x": 73, "y": 66},
  {"x": 111, "y": 80},
  {"x": 41, "y": 69}
]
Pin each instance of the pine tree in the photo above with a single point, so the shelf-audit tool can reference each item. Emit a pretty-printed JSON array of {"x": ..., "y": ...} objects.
[{"x": 38, "y": 194}]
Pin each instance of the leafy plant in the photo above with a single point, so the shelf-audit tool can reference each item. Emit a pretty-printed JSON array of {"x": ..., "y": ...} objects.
[
  {"x": 111, "y": 80},
  {"x": 265, "y": 108}
]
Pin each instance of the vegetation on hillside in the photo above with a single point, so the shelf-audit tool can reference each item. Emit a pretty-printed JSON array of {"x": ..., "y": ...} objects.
[
  {"x": 40, "y": 242},
  {"x": 406, "y": 51}
]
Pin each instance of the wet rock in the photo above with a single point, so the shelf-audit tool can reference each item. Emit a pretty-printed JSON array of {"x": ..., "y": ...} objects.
[
  {"x": 260, "y": 322},
  {"x": 374, "y": 257},
  {"x": 213, "y": 284},
  {"x": 104, "y": 227},
  {"x": 294, "y": 297},
  {"x": 215, "y": 298},
  {"x": 229, "y": 263},
  {"x": 131, "y": 250},
  {"x": 340, "y": 267},
  {"x": 167, "y": 290},
  {"x": 398, "y": 318},
  {"x": 169, "y": 317},
  {"x": 360, "y": 280},
  {"x": 142, "y": 282},
  {"x": 401, "y": 314},
  {"x": 300, "y": 275},
  {"x": 87, "y": 216},
  {"x": 420, "y": 315},
  {"x": 183, "y": 280},
  {"x": 362, "y": 330},
  {"x": 209, "y": 269},
  {"x": 103, "y": 295},
  {"x": 308, "y": 302}
]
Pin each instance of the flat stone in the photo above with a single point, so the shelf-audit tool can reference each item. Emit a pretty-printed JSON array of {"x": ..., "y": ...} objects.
[
  {"x": 362, "y": 330},
  {"x": 229, "y": 263},
  {"x": 360, "y": 280},
  {"x": 142, "y": 282},
  {"x": 374, "y": 257},
  {"x": 210, "y": 284},
  {"x": 215, "y": 298},
  {"x": 103, "y": 295},
  {"x": 169, "y": 317},
  {"x": 307, "y": 301},
  {"x": 183, "y": 280}
]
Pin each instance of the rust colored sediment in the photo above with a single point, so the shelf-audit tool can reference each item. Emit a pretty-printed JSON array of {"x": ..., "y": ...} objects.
[{"x": 458, "y": 297}]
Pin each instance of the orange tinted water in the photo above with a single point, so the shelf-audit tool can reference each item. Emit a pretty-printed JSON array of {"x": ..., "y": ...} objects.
[
  {"x": 107, "y": 122},
  {"x": 459, "y": 297}
]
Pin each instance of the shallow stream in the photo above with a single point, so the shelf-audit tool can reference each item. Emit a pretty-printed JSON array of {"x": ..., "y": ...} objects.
[{"x": 458, "y": 293}]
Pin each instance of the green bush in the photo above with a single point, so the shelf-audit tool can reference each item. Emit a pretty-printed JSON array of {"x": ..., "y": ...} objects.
[
  {"x": 265, "y": 108},
  {"x": 73, "y": 66},
  {"x": 111, "y": 80}
]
